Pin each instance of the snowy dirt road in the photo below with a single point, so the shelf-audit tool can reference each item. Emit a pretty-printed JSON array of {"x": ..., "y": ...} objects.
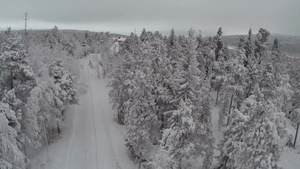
[{"x": 93, "y": 139}]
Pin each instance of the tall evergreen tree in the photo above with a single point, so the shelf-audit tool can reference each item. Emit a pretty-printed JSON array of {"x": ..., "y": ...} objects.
[
  {"x": 14, "y": 66},
  {"x": 141, "y": 118},
  {"x": 261, "y": 45},
  {"x": 144, "y": 36},
  {"x": 189, "y": 124},
  {"x": 252, "y": 137}
]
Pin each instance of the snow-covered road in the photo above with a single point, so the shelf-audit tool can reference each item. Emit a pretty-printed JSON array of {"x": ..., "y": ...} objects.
[{"x": 93, "y": 139}]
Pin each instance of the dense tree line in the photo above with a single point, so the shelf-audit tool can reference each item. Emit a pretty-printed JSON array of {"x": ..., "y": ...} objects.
[
  {"x": 38, "y": 75},
  {"x": 162, "y": 89}
]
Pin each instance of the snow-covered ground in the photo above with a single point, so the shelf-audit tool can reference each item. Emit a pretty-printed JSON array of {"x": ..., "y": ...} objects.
[{"x": 93, "y": 139}]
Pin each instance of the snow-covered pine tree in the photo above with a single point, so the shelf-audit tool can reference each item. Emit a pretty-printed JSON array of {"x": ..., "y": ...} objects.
[
  {"x": 29, "y": 134},
  {"x": 47, "y": 106},
  {"x": 11, "y": 99},
  {"x": 10, "y": 155},
  {"x": 14, "y": 66},
  {"x": 64, "y": 81}
]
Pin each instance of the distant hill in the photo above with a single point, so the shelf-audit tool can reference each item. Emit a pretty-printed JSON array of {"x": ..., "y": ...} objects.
[{"x": 289, "y": 44}]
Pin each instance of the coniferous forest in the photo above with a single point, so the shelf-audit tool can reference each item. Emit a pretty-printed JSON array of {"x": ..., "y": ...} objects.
[{"x": 165, "y": 90}]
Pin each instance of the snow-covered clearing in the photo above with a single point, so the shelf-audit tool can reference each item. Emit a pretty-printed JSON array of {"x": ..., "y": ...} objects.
[{"x": 93, "y": 139}]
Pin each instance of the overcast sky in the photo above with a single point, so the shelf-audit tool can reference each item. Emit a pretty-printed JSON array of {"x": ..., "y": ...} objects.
[{"x": 125, "y": 16}]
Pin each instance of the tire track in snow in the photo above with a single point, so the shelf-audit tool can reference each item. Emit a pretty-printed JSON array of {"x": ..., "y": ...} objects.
[
  {"x": 72, "y": 136},
  {"x": 70, "y": 142},
  {"x": 94, "y": 126}
]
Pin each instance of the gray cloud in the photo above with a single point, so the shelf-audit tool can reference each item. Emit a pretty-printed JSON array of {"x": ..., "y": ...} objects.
[{"x": 123, "y": 16}]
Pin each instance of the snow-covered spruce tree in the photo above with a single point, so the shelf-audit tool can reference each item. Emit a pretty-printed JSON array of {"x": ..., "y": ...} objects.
[
  {"x": 118, "y": 95},
  {"x": 29, "y": 134},
  {"x": 270, "y": 73},
  {"x": 219, "y": 44},
  {"x": 161, "y": 69},
  {"x": 294, "y": 110},
  {"x": 144, "y": 36},
  {"x": 240, "y": 73},
  {"x": 248, "y": 47},
  {"x": 54, "y": 38},
  {"x": 200, "y": 56},
  {"x": 252, "y": 137},
  {"x": 294, "y": 73},
  {"x": 204, "y": 119},
  {"x": 278, "y": 58},
  {"x": 234, "y": 136},
  {"x": 261, "y": 45},
  {"x": 283, "y": 90},
  {"x": 232, "y": 143},
  {"x": 218, "y": 66},
  {"x": 162, "y": 160},
  {"x": 106, "y": 57},
  {"x": 262, "y": 139},
  {"x": 122, "y": 71},
  {"x": 235, "y": 84},
  {"x": 141, "y": 118},
  {"x": 250, "y": 63},
  {"x": 10, "y": 155},
  {"x": 179, "y": 138},
  {"x": 173, "y": 50},
  {"x": 14, "y": 66},
  {"x": 206, "y": 54},
  {"x": 131, "y": 95},
  {"x": 188, "y": 133}
]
